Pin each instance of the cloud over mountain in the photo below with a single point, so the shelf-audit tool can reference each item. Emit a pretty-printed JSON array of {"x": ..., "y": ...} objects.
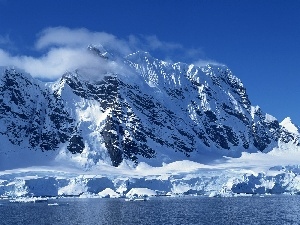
[{"x": 62, "y": 49}]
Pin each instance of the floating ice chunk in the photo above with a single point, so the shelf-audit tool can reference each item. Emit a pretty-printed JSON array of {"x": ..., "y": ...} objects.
[
  {"x": 140, "y": 192},
  {"x": 108, "y": 193}
]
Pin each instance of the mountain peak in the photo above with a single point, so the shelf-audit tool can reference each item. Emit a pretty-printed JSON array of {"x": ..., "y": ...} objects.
[
  {"x": 137, "y": 109},
  {"x": 99, "y": 50},
  {"x": 289, "y": 126}
]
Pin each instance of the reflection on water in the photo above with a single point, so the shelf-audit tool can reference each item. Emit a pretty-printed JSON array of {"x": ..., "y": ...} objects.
[{"x": 185, "y": 210}]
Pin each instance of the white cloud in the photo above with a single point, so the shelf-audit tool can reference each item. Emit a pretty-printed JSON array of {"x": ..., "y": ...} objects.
[
  {"x": 79, "y": 38},
  {"x": 52, "y": 65},
  {"x": 154, "y": 43},
  {"x": 66, "y": 50},
  {"x": 57, "y": 61},
  {"x": 63, "y": 49},
  {"x": 204, "y": 62},
  {"x": 170, "y": 51}
]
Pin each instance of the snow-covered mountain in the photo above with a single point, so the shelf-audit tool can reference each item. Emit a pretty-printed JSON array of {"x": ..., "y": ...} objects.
[{"x": 137, "y": 109}]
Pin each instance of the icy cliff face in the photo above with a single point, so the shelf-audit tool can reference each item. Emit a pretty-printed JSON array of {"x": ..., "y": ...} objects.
[
  {"x": 153, "y": 111},
  {"x": 212, "y": 182}
]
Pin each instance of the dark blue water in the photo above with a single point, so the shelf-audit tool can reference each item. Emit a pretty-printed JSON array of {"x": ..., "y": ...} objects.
[{"x": 186, "y": 210}]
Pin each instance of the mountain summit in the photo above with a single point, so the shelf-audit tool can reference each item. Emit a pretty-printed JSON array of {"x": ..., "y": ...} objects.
[{"x": 147, "y": 110}]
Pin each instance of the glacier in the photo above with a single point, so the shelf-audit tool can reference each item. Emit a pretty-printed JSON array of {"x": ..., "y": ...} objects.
[
  {"x": 247, "y": 175},
  {"x": 142, "y": 126}
]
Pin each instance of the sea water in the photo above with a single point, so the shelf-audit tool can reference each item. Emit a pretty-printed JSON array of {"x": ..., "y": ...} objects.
[{"x": 158, "y": 210}]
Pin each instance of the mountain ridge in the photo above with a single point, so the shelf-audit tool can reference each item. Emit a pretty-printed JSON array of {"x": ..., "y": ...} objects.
[{"x": 155, "y": 112}]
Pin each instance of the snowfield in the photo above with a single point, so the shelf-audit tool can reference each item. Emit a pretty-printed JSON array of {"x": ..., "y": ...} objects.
[{"x": 252, "y": 173}]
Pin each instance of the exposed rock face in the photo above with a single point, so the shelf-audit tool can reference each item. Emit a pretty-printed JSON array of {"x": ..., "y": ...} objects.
[
  {"x": 31, "y": 114},
  {"x": 161, "y": 112}
]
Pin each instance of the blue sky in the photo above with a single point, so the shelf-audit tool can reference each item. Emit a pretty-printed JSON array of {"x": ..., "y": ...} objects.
[{"x": 258, "y": 40}]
